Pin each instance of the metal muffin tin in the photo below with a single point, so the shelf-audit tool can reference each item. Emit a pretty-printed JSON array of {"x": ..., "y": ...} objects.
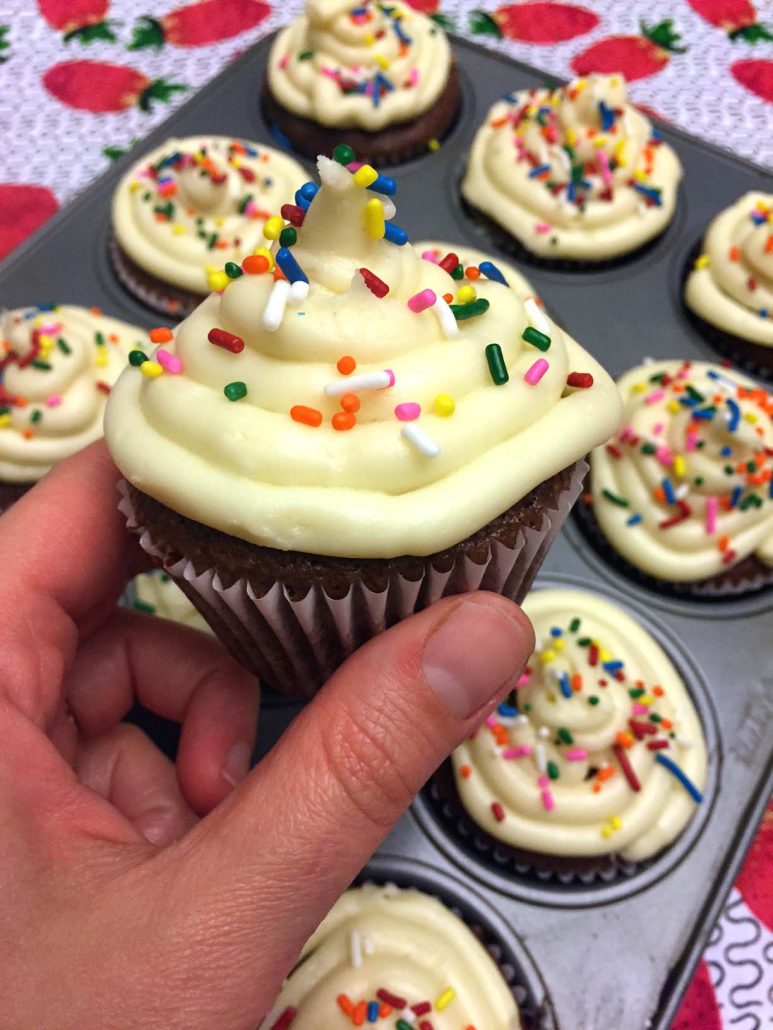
[{"x": 590, "y": 956}]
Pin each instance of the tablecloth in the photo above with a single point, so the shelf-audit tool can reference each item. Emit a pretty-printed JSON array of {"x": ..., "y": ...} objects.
[{"x": 705, "y": 65}]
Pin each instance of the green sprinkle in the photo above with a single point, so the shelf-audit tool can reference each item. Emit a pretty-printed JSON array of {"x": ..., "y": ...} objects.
[
  {"x": 698, "y": 481},
  {"x": 565, "y": 736},
  {"x": 574, "y": 625},
  {"x": 288, "y": 236},
  {"x": 593, "y": 700},
  {"x": 232, "y": 270},
  {"x": 235, "y": 391},
  {"x": 728, "y": 470},
  {"x": 496, "y": 364},
  {"x": 402, "y": 1025},
  {"x": 211, "y": 241},
  {"x": 36, "y": 415},
  {"x": 165, "y": 210},
  {"x": 648, "y": 448},
  {"x": 5, "y": 410},
  {"x": 654, "y": 717},
  {"x": 464, "y": 311},
  {"x": 244, "y": 202},
  {"x": 585, "y": 641},
  {"x": 536, "y": 338},
  {"x": 306, "y": 55},
  {"x": 42, "y": 365},
  {"x": 458, "y": 272},
  {"x": 752, "y": 501},
  {"x": 619, "y": 501},
  {"x": 141, "y": 606},
  {"x": 636, "y": 692},
  {"x": 137, "y": 357},
  {"x": 694, "y": 394},
  {"x": 552, "y": 770},
  {"x": 99, "y": 339},
  {"x": 64, "y": 346},
  {"x": 343, "y": 154}
]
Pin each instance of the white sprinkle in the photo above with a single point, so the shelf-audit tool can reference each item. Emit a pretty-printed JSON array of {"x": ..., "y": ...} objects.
[
  {"x": 274, "y": 311},
  {"x": 682, "y": 491},
  {"x": 684, "y": 741},
  {"x": 368, "y": 946},
  {"x": 355, "y": 949},
  {"x": 445, "y": 317},
  {"x": 521, "y": 720},
  {"x": 419, "y": 439},
  {"x": 543, "y": 733},
  {"x": 366, "y": 381},
  {"x": 508, "y": 720},
  {"x": 536, "y": 316},
  {"x": 539, "y": 756},
  {"x": 389, "y": 206},
  {"x": 299, "y": 291},
  {"x": 563, "y": 158}
]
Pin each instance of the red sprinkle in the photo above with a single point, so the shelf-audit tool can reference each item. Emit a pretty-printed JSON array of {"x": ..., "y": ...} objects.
[
  {"x": 657, "y": 745},
  {"x": 285, "y": 1019},
  {"x": 103, "y": 387},
  {"x": 498, "y": 811},
  {"x": 391, "y": 999},
  {"x": 376, "y": 286},
  {"x": 614, "y": 451},
  {"x": 422, "y": 1008},
  {"x": 581, "y": 380},
  {"x": 627, "y": 768},
  {"x": 229, "y": 342},
  {"x": 449, "y": 262},
  {"x": 293, "y": 214},
  {"x": 593, "y": 655}
]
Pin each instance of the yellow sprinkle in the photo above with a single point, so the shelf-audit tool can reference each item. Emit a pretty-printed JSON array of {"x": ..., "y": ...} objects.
[
  {"x": 266, "y": 253},
  {"x": 466, "y": 294},
  {"x": 581, "y": 85},
  {"x": 571, "y": 136},
  {"x": 620, "y": 156},
  {"x": 547, "y": 656},
  {"x": 599, "y": 141},
  {"x": 606, "y": 832},
  {"x": 680, "y": 466},
  {"x": 178, "y": 230},
  {"x": 382, "y": 62},
  {"x": 370, "y": 39},
  {"x": 209, "y": 269},
  {"x": 444, "y": 1000},
  {"x": 750, "y": 417},
  {"x": 674, "y": 407},
  {"x": 638, "y": 388},
  {"x": 151, "y": 369},
  {"x": 273, "y": 227},
  {"x": 134, "y": 187},
  {"x": 531, "y": 110},
  {"x": 604, "y": 655},
  {"x": 5, "y": 420},
  {"x": 558, "y": 644},
  {"x": 703, "y": 261},
  {"x": 219, "y": 222},
  {"x": 101, "y": 359},
  {"x": 365, "y": 176},
  {"x": 616, "y": 822},
  {"x": 433, "y": 144},
  {"x": 374, "y": 219},
  {"x": 645, "y": 699},
  {"x": 444, "y": 405},
  {"x": 218, "y": 280}
]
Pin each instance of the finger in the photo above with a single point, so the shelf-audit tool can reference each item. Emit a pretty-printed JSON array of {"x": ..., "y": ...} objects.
[
  {"x": 129, "y": 771},
  {"x": 182, "y": 675},
  {"x": 272, "y": 860}
]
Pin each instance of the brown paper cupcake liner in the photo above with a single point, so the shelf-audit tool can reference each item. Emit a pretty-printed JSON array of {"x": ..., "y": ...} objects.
[
  {"x": 165, "y": 298},
  {"x": 295, "y": 639}
]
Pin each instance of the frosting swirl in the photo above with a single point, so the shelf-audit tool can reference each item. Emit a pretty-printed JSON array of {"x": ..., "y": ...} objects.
[
  {"x": 58, "y": 366},
  {"x": 367, "y": 64},
  {"x": 574, "y": 765},
  {"x": 437, "y": 439},
  {"x": 683, "y": 492},
  {"x": 390, "y": 950},
  {"x": 192, "y": 204},
  {"x": 575, "y": 172},
  {"x": 731, "y": 285},
  {"x": 435, "y": 250},
  {"x": 158, "y": 594}
]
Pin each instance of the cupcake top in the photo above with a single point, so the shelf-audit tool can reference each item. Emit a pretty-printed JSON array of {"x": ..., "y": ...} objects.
[
  {"x": 684, "y": 490},
  {"x": 366, "y": 405},
  {"x": 731, "y": 285},
  {"x": 158, "y": 594},
  {"x": 387, "y": 955},
  {"x": 365, "y": 65},
  {"x": 57, "y": 366},
  {"x": 472, "y": 261},
  {"x": 576, "y": 172},
  {"x": 192, "y": 204},
  {"x": 598, "y": 750}
]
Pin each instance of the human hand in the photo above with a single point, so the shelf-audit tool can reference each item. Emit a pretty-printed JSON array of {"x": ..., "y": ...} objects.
[{"x": 139, "y": 893}]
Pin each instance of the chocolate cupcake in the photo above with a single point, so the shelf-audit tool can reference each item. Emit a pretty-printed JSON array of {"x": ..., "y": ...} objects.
[
  {"x": 187, "y": 208},
  {"x": 58, "y": 364},
  {"x": 574, "y": 177},
  {"x": 680, "y": 497},
  {"x": 379, "y": 78},
  {"x": 337, "y": 449},
  {"x": 729, "y": 287},
  {"x": 597, "y": 760}
]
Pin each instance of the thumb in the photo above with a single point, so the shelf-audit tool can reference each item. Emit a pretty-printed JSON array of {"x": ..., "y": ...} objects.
[{"x": 291, "y": 838}]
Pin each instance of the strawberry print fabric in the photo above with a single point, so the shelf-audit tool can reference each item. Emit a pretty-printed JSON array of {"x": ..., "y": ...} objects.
[{"x": 82, "y": 80}]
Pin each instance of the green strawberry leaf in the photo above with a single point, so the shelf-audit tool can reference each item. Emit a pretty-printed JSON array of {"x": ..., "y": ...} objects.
[
  {"x": 663, "y": 35},
  {"x": 86, "y": 34},
  {"x": 482, "y": 24},
  {"x": 4, "y": 43},
  {"x": 751, "y": 34},
  {"x": 113, "y": 152},
  {"x": 444, "y": 21},
  {"x": 148, "y": 32},
  {"x": 160, "y": 90}
]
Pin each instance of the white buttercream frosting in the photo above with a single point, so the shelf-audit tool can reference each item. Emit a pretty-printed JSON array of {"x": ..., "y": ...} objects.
[
  {"x": 195, "y": 203},
  {"x": 683, "y": 491},
  {"x": 576, "y": 172},
  {"x": 158, "y": 594},
  {"x": 731, "y": 285},
  {"x": 405, "y": 945},
  {"x": 59, "y": 365},
  {"x": 389, "y": 469},
  {"x": 546, "y": 772},
  {"x": 436, "y": 250},
  {"x": 366, "y": 65}
]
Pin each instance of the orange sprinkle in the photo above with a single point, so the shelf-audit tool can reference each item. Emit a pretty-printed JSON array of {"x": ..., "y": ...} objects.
[
  {"x": 278, "y": 273},
  {"x": 384, "y": 1010},
  {"x": 596, "y": 788},
  {"x": 735, "y": 253},
  {"x": 308, "y": 416},
  {"x": 465, "y": 771},
  {"x": 346, "y": 1005},
  {"x": 343, "y": 420},
  {"x": 666, "y": 724},
  {"x": 606, "y": 773},
  {"x": 255, "y": 264},
  {"x": 360, "y": 1013},
  {"x": 659, "y": 494},
  {"x": 497, "y": 123},
  {"x": 350, "y": 402},
  {"x": 27, "y": 434},
  {"x": 577, "y": 682},
  {"x": 658, "y": 691},
  {"x": 346, "y": 365},
  {"x": 95, "y": 311},
  {"x": 472, "y": 272},
  {"x": 723, "y": 543},
  {"x": 624, "y": 739},
  {"x": 448, "y": 298},
  {"x": 161, "y": 335},
  {"x": 769, "y": 244},
  {"x": 113, "y": 337}
]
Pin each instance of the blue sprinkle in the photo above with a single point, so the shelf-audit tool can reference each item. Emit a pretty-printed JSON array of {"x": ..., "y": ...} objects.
[
  {"x": 735, "y": 497},
  {"x": 359, "y": 10},
  {"x": 668, "y": 490},
  {"x": 656, "y": 136},
  {"x": 511, "y": 98},
  {"x": 490, "y": 270},
  {"x": 612, "y": 667},
  {"x": 395, "y": 234},
  {"x": 563, "y": 681},
  {"x": 571, "y": 191},
  {"x": 704, "y": 413},
  {"x": 758, "y": 218},
  {"x": 290, "y": 266},
  {"x": 735, "y": 414},
  {"x": 538, "y": 171},
  {"x": 634, "y": 520},
  {"x": 689, "y": 402},
  {"x": 507, "y": 710},
  {"x": 726, "y": 452},
  {"x": 675, "y": 771},
  {"x": 650, "y": 192},
  {"x": 280, "y": 137},
  {"x": 770, "y": 490},
  {"x": 555, "y": 631},
  {"x": 373, "y": 1010},
  {"x": 763, "y": 312},
  {"x": 607, "y": 116},
  {"x": 384, "y": 184}
]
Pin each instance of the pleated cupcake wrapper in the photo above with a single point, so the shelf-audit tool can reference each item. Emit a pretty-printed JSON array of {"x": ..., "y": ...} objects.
[
  {"x": 163, "y": 297},
  {"x": 295, "y": 645}
]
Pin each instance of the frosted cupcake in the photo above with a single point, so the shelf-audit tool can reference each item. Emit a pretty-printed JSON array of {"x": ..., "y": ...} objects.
[
  {"x": 58, "y": 364},
  {"x": 190, "y": 206},
  {"x": 573, "y": 175},
  {"x": 598, "y": 753},
  {"x": 377, "y": 77},
  {"x": 338, "y": 446},
  {"x": 471, "y": 264},
  {"x": 390, "y": 957},
  {"x": 730, "y": 288},
  {"x": 682, "y": 493}
]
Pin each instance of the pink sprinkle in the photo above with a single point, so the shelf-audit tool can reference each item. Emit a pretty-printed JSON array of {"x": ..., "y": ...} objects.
[
  {"x": 640, "y": 710},
  {"x": 413, "y": 77},
  {"x": 547, "y": 798},
  {"x": 543, "y": 227},
  {"x": 655, "y": 396},
  {"x": 331, "y": 73},
  {"x": 523, "y": 751},
  {"x": 169, "y": 362},
  {"x": 664, "y": 456},
  {"x": 712, "y": 506},
  {"x": 422, "y": 300},
  {"x": 626, "y": 434},
  {"x": 391, "y": 375},
  {"x": 536, "y": 372},
  {"x": 657, "y": 429},
  {"x": 408, "y": 412},
  {"x": 53, "y": 401},
  {"x": 524, "y": 679},
  {"x": 491, "y": 721},
  {"x": 691, "y": 441},
  {"x": 284, "y": 62},
  {"x": 430, "y": 255},
  {"x": 576, "y": 754},
  {"x": 603, "y": 163},
  {"x": 354, "y": 166}
]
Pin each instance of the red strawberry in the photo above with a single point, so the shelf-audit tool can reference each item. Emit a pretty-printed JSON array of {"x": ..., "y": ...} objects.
[
  {"x": 756, "y": 76},
  {"x": 699, "y": 1009},
  {"x": 535, "y": 22},
  {"x": 636, "y": 57},
  {"x": 22, "y": 210},
  {"x": 737, "y": 17},
  {"x": 424, "y": 6},
  {"x": 755, "y": 882},
  {"x": 102, "y": 88},
  {"x": 84, "y": 20},
  {"x": 208, "y": 21}
]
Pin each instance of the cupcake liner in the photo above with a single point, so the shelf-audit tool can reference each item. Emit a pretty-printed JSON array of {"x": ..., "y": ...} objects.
[
  {"x": 753, "y": 358},
  {"x": 165, "y": 298},
  {"x": 748, "y": 576},
  {"x": 296, "y": 643}
]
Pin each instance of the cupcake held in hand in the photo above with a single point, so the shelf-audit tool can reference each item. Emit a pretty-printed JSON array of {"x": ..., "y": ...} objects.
[
  {"x": 573, "y": 175},
  {"x": 349, "y": 433}
]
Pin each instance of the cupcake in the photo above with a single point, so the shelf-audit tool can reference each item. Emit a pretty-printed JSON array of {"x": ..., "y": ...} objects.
[
  {"x": 575, "y": 175},
  {"x": 597, "y": 755},
  {"x": 338, "y": 446},
  {"x": 156, "y": 593},
  {"x": 190, "y": 206},
  {"x": 472, "y": 263},
  {"x": 729, "y": 291},
  {"x": 387, "y": 957},
  {"x": 57, "y": 366},
  {"x": 379, "y": 78},
  {"x": 682, "y": 494}
]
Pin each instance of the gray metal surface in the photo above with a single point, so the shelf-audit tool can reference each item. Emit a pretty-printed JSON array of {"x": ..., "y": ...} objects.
[{"x": 614, "y": 956}]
